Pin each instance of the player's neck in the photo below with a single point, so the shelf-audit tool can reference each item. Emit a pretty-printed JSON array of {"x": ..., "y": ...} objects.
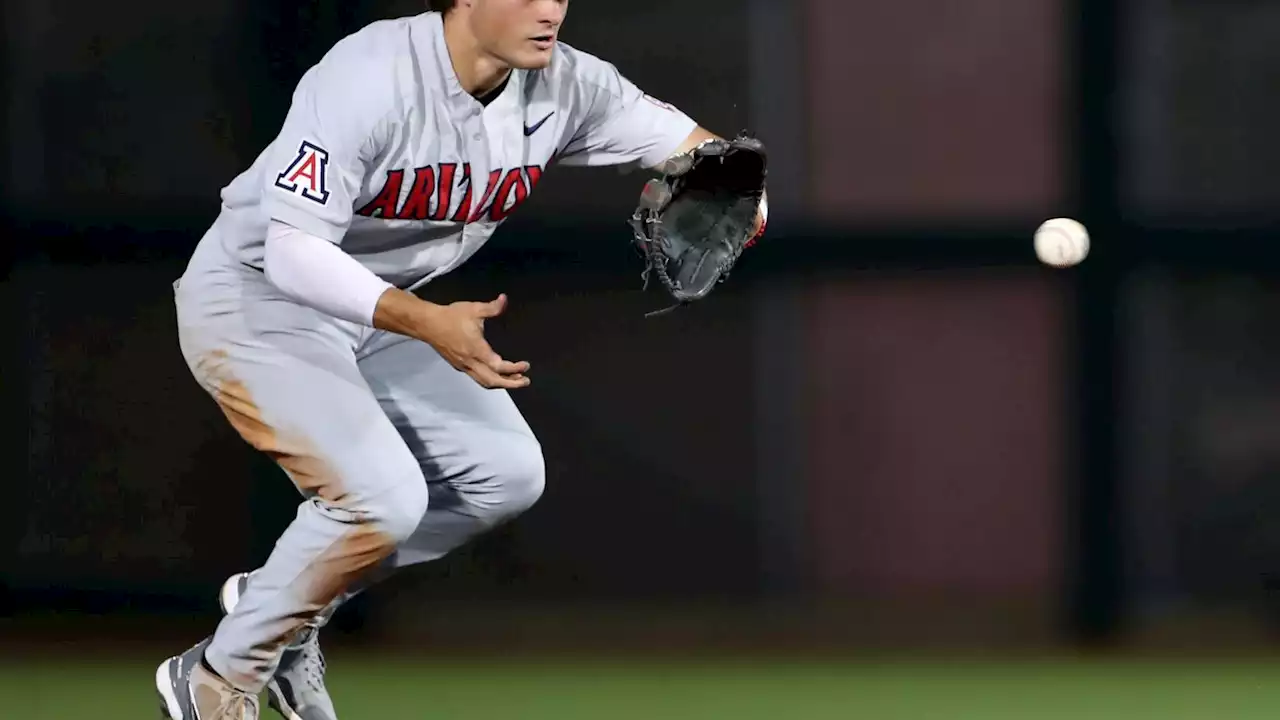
[{"x": 479, "y": 73}]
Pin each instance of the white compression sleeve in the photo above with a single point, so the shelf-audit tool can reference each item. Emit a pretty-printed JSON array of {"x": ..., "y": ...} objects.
[{"x": 315, "y": 272}]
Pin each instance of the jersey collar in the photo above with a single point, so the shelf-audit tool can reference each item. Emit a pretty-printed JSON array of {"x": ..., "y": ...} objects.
[{"x": 456, "y": 96}]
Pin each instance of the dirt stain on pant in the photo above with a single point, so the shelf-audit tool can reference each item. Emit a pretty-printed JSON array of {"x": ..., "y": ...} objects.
[
  {"x": 296, "y": 455},
  {"x": 361, "y": 547}
]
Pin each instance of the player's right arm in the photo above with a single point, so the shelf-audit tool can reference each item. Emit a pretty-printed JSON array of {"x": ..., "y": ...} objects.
[{"x": 342, "y": 115}]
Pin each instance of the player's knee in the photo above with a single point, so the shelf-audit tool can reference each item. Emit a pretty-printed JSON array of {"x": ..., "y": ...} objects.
[
  {"x": 516, "y": 478},
  {"x": 526, "y": 479},
  {"x": 398, "y": 512}
]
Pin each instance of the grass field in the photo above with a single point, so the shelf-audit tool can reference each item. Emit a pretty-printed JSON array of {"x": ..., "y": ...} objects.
[{"x": 103, "y": 688}]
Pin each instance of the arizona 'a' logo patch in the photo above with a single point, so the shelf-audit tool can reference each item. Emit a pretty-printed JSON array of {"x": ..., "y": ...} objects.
[{"x": 306, "y": 175}]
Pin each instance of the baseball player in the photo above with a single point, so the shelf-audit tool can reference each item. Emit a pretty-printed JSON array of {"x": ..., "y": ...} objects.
[{"x": 403, "y": 150}]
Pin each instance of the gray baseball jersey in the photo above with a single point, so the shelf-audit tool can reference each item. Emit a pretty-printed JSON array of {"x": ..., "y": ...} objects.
[
  {"x": 400, "y": 457},
  {"x": 384, "y": 153}
]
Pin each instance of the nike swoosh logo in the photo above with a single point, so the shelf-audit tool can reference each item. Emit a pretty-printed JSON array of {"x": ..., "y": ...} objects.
[{"x": 531, "y": 129}]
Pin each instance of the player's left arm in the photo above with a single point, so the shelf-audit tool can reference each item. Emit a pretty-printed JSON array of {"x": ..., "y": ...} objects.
[
  {"x": 698, "y": 136},
  {"x": 621, "y": 124}
]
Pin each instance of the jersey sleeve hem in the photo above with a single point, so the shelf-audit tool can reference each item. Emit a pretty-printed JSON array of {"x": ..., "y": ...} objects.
[
  {"x": 305, "y": 221},
  {"x": 681, "y": 129}
]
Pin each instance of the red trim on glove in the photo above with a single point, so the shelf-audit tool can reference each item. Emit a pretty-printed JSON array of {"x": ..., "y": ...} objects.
[{"x": 764, "y": 221}]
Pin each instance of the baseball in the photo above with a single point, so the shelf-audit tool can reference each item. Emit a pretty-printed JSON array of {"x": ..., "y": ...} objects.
[{"x": 1062, "y": 242}]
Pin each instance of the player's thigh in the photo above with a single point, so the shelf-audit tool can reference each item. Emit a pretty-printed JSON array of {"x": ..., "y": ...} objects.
[
  {"x": 470, "y": 437},
  {"x": 286, "y": 378}
]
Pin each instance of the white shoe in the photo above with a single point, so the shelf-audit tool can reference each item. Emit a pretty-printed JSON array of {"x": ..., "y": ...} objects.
[{"x": 189, "y": 691}]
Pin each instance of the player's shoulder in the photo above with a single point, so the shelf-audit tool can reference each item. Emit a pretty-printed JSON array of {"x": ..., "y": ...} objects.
[
  {"x": 379, "y": 41},
  {"x": 580, "y": 79},
  {"x": 573, "y": 64},
  {"x": 368, "y": 66}
]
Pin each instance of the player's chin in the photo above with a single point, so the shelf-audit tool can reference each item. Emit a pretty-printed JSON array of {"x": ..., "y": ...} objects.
[{"x": 535, "y": 57}]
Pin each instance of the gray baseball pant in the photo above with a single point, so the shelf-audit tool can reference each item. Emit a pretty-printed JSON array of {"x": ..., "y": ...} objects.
[{"x": 400, "y": 458}]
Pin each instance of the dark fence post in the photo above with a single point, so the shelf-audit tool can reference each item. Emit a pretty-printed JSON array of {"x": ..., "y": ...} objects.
[{"x": 1096, "y": 592}]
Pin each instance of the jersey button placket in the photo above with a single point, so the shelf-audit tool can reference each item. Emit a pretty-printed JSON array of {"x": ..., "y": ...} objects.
[
  {"x": 478, "y": 157},
  {"x": 484, "y": 157}
]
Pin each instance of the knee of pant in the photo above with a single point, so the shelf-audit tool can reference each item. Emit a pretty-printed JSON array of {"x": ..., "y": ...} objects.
[
  {"x": 516, "y": 478},
  {"x": 398, "y": 511}
]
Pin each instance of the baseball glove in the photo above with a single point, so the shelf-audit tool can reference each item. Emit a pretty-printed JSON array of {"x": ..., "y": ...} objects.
[{"x": 695, "y": 219}]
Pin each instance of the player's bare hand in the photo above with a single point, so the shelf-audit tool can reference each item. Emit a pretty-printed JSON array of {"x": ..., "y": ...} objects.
[{"x": 456, "y": 331}]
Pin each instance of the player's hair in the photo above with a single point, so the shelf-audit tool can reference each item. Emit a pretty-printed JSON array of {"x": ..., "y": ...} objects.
[{"x": 440, "y": 5}]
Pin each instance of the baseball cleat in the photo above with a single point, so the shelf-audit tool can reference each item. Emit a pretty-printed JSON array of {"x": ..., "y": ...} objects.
[
  {"x": 296, "y": 690},
  {"x": 190, "y": 691}
]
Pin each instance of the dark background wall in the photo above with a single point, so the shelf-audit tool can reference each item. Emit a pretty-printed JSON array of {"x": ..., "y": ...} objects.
[{"x": 891, "y": 417}]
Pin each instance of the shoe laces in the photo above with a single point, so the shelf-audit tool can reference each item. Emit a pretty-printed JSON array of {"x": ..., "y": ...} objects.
[{"x": 313, "y": 664}]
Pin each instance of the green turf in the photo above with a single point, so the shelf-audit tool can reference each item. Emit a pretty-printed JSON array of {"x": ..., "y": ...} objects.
[{"x": 102, "y": 689}]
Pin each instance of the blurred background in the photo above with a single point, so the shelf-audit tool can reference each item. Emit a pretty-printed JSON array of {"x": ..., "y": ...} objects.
[{"x": 894, "y": 467}]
